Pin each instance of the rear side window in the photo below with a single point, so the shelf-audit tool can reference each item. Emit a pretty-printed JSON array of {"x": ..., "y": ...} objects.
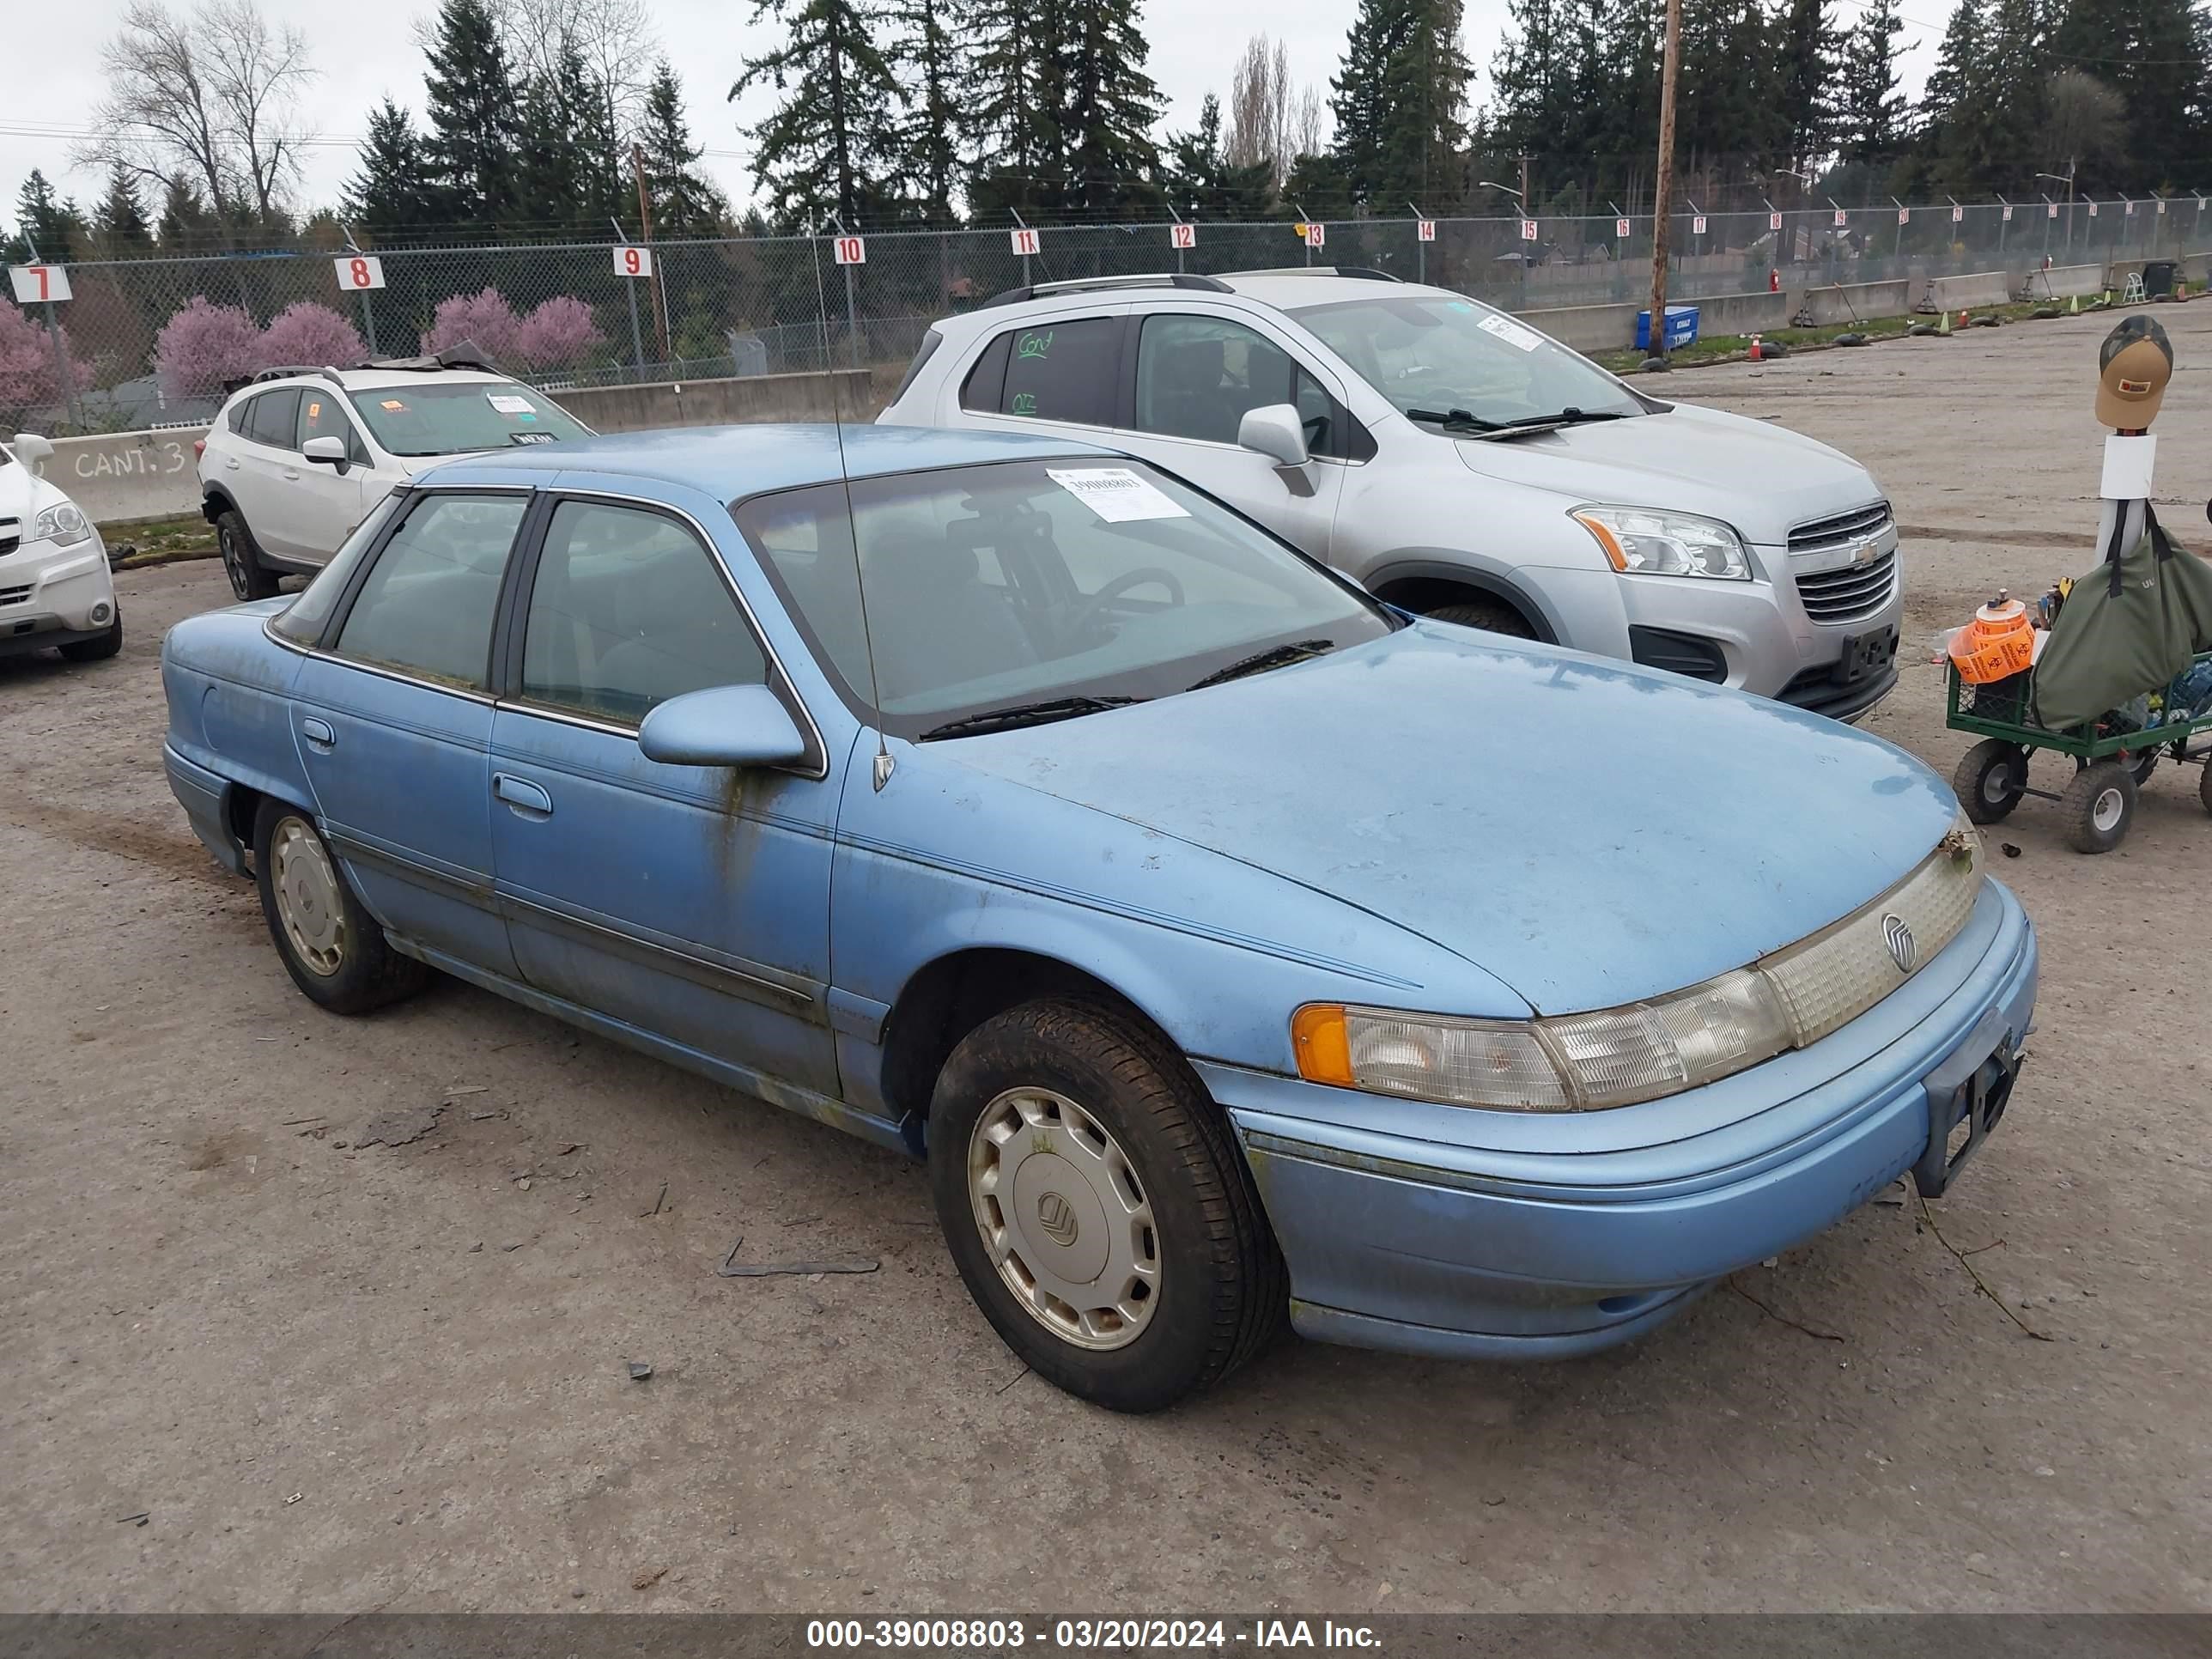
[
  {"x": 427, "y": 605},
  {"x": 1058, "y": 370},
  {"x": 273, "y": 418}
]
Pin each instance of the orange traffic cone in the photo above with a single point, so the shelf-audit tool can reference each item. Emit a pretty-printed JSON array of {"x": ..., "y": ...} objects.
[{"x": 1757, "y": 355}]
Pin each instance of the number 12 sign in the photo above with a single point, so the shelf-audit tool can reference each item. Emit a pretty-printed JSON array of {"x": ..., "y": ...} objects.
[
  {"x": 631, "y": 260},
  {"x": 850, "y": 250},
  {"x": 359, "y": 270},
  {"x": 1182, "y": 235},
  {"x": 39, "y": 285}
]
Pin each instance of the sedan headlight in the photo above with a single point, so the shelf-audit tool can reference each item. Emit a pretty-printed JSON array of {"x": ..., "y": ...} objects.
[
  {"x": 1644, "y": 541},
  {"x": 1618, "y": 1056},
  {"x": 65, "y": 525}
]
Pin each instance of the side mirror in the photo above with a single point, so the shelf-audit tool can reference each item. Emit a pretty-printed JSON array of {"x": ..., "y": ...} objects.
[
  {"x": 33, "y": 451},
  {"x": 723, "y": 726},
  {"x": 327, "y": 451},
  {"x": 1276, "y": 432}
]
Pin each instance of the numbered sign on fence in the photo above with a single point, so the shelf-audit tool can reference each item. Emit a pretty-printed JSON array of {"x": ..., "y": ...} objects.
[
  {"x": 1774, "y": 222},
  {"x": 1904, "y": 216},
  {"x": 2092, "y": 209},
  {"x": 1182, "y": 236},
  {"x": 2051, "y": 210},
  {"x": 359, "y": 270},
  {"x": 2128, "y": 211},
  {"x": 1527, "y": 230},
  {"x": 1425, "y": 229},
  {"x": 1842, "y": 218},
  {"x": 1316, "y": 235},
  {"x": 38, "y": 285},
  {"x": 1958, "y": 214},
  {"x": 631, "y": 260},
  {"x": 1620, "y": 229},
  {"x": 850, "y": 250},
  {"x": 2162, "y": 206},
  {"x": 1024, "y": 241},
  {"x": 2008, "y": 213},
  {"x": 1698, "y": 224}
]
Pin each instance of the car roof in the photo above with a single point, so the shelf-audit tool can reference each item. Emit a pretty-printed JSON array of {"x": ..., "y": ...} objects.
[
  {"x": 728, "y": 462},
  {"x": 1290, "y": 287},
  {"x": 1295, "y": 287}
]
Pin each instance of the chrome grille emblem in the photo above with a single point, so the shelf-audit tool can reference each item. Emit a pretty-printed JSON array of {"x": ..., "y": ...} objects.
[{"x": 1899, "y": 937}]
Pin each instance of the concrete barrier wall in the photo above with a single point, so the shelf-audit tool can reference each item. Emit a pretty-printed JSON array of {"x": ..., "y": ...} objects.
[
  {"x": 1982, "y": 288},
  {"x": 1587, "y": 328},
  {"x": 722, "y": 403},
  {"x": 2062, "y": 281},
  {"x": 130, "y": 475},
  {"x": 1852, "y": 301},
  {"x": 1759, "y": 313}
]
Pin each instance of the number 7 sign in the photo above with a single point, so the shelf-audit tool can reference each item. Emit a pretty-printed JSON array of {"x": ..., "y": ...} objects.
[{"x": 39, "y": 285}]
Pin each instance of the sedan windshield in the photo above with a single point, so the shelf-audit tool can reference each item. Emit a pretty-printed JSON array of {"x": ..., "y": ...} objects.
[
  {"x": 442, "y": 417},
  {"x": 1027, "y": 591},
  {"x": 1441, "y": 356}
]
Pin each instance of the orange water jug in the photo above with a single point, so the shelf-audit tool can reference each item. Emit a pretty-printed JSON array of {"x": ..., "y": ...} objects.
[{"x": 1997, "y": 644}]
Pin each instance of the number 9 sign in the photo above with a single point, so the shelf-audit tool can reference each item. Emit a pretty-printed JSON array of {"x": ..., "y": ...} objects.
[
  {"x": 359, "y": 270},
  {"x": 631, "y": 260}
]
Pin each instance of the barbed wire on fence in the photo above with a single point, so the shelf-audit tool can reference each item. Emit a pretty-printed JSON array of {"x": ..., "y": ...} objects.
[{"x": 565, "y": 314}]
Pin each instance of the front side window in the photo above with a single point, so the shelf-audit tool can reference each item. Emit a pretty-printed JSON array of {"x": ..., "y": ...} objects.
[
  {"x": 1434, "y": 353},
  {"x": 996, "y": 586},
  {"x": 273, "y": 418},
  {"x": 426, "y": 607},
  {"x": 1197, "y": 376},
  {"x": 447, "y": 417},
  {"x": 628, "y": 609}
]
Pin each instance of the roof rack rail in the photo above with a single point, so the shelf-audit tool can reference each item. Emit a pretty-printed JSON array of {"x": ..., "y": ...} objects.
[
  {"x": 467, "y": 355},
  {"x": 1363, "y": 273},
  {"x": 1366, "y": 273},
  {"x": 1014, "y": 297},
  {"x": 279, "y": 372}
]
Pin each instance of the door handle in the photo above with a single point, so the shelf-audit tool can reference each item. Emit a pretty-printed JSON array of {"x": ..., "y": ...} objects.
[
  {"x": 522, "y": 793},
  {"x": 317, "y": 732},
  {"x": 230, "y": 462},
  {"x": 292, "y": 472}
]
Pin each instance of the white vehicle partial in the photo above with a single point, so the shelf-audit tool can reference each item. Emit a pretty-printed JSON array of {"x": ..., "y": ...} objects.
[
  {"x": 55, "y": 588},
  {"x": 296, "y": 457}
]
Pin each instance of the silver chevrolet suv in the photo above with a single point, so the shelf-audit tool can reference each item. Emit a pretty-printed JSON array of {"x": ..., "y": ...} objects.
[{"x": 1459, "y": 464}]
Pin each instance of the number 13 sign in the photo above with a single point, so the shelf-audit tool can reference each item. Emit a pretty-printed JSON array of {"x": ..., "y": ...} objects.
[{"x": 359, "y": 270}]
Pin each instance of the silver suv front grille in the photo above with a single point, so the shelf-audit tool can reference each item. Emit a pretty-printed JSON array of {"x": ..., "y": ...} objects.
[
  {"x": 1847, "y": 592},
  {"x": 1843, "y": 530}
]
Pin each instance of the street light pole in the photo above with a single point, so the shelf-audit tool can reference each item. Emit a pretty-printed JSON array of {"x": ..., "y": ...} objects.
[{"x": 1663, "y": 185}]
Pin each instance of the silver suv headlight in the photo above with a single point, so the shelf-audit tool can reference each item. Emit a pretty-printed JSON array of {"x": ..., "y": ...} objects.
[
  {"x": 1619, "y": 1056},
  {"x": 63, "y": 525},
  {"x": 1648, "y": 541}
]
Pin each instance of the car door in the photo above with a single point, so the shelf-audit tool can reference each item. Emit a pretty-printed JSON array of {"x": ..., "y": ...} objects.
[
  {"x": 1196, "y": 375},
  {"x": 264, "y": 467},
  {"x": 319, "y": 504},
  {"x": 393, "y": 718},
  {"x": 690, "y": 902}
]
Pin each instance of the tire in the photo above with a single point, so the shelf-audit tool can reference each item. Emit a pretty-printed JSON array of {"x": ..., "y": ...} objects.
[
  {"x": 242, "y": 557},
  {"x": 1991, "y": 780},
  {"x": 1491, "y": 616},
  {"x": 101, "y": 649},
  {"x": 1042, "y": 1116},
  {"x": 360, "y": 970},
  {"x": 2204, "y": 785},
  {"x": 2099, "y": 805}
]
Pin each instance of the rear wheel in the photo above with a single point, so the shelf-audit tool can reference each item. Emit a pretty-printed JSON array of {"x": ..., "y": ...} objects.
[
  {"x": 331, "y": 946},
  {"x": 97, "y": 650},
  {"x": 1098, "y": 1209},
  {"x": 1991, "y": 780},
  {"x": 1491, "y": 616},
  {"x": 2204, "y": 785},
  {"x": 2099, "y": 805},
  {"x": 241, "y": 559}
]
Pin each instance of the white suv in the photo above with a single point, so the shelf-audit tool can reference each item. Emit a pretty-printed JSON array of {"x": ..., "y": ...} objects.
[
  {"x": 297, "y": 457},
  {"x": 55, "y": 589}
]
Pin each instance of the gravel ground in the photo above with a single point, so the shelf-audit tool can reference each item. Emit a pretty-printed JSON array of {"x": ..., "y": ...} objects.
[{"x": 334, "y": 1377}]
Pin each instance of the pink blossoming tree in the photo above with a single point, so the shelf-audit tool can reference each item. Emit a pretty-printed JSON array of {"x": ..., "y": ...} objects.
[
  {"x": 556, "y": 335},
  {"x": 312, "y": 335},
  {"x": 484, "y": 320},
  {"x": 29, "y": 370},
  {"x": 203, "y": 345}
]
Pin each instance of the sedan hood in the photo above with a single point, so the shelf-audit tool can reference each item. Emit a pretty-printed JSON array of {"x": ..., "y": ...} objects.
[
  {"x": 1588, "y": 832},
  {"x": 1760, "y": 478}
]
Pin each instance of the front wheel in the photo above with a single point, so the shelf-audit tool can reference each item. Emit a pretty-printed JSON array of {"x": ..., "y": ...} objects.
[
  {"x": 331, "y": 946},
  {"x": 1991, "y": 780},
  {"x": 1491, "y": 616},
  {"x": 101, "y": 649},
  {"x": 241, "y": 559},
  {"x": 1098, "y": 1208}
]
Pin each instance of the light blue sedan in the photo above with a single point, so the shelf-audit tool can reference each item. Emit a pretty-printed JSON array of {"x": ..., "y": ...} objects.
[{"x": 1232, "y": 946}]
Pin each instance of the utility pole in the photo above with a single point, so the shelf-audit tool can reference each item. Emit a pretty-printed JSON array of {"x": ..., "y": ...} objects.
[
  {"x": 1524, "y": 182},
  {"x": 645, "y": 227},
  {"x": 1662, "y": 203}
]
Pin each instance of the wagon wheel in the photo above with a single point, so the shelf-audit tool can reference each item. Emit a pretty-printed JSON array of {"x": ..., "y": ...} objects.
[
  {"x": 2204, "y": 785},
  {"x": 2099, "y": 805},
  {"x": 1991, "y": 780}
]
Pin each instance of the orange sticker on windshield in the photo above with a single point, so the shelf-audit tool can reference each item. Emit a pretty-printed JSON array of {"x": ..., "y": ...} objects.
[
  {"x": 395, "y": 405},
  {"x": 315, "y": 411}
]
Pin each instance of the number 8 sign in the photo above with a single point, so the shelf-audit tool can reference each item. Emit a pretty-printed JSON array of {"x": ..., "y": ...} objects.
[
  {"x": 631, "y": 260},
  {"x": 359, "y": 270}
]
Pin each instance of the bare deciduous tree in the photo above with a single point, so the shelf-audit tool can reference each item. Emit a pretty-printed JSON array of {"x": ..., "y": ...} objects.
[
  {"x": 615, "y": 37},
  {"x": 1309, "y": 125},
  {"x": 2085, "y": 121},
  {"x": 1259, "y": 107},
  {"x": 213, "y": 94}
]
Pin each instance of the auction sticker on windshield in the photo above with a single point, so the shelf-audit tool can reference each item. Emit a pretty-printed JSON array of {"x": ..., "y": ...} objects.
[
  {"x": 1512, "y": 333},
  {"x": 509, "y": 404},
  {"x": 1116, "y": 494}
]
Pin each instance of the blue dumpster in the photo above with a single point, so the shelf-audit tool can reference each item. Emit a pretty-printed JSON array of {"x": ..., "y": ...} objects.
[{"x": 1682, "y": 327}]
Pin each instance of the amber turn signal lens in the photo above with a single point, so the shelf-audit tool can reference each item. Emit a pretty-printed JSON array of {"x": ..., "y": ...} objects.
[
  {"x": 1606, "y": 539},
  {"x": 1324, "y": 1051}
]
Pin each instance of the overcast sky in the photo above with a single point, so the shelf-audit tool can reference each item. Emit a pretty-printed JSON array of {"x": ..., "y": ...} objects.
[{"x": 366, "y": 52}]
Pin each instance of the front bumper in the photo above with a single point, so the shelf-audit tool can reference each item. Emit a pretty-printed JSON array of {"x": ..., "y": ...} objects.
[
  {"x": 1454, "y": 1249},
  {"x": 52, "y": 596}
]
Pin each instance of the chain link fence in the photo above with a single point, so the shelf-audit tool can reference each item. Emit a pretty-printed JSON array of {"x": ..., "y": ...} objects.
[{"x": 567, "y": 316}]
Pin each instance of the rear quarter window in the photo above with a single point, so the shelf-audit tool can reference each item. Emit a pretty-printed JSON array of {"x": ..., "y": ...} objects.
[{"x": 1056, "y": 369}]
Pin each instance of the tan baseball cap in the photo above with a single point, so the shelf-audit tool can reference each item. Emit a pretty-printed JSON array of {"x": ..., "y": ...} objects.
[{"x": 2133, "y": 365}]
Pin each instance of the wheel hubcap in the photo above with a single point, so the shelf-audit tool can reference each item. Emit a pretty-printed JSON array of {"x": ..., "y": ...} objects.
[
  {"x": 1996, "y": 783},
  {"x": 1064, "y": 1217},
  {"x": 233, "y": 562},
  {"x": 2106, "y": 812},
  {"x": 307, "y": 902}
]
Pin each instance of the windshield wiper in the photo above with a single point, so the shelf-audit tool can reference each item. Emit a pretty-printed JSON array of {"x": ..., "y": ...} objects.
[
  {"x": 1568, "y": 416},
  {"x": 1275, "y": 656},
  {"x": 1454, "y": 417},
  {"x": 1024, "y": 713}
]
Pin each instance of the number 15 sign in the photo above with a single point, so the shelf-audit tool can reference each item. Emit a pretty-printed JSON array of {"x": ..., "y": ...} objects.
[{"x": 39, "y": 285}]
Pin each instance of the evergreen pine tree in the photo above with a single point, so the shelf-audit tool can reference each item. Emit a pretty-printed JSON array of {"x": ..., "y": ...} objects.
[
  {"x": 118, "y": 223},
  {"x": 42, "y": 217},
  {"x": 684, "y": 201},
  {"x": 1808, "y": 48},
  {"x": 1400, "y": 97},
  {"x": 824, "y": 148},
  {"x": 387, "y": 194},
  {"x": 185, "y": 226},
  {"x": 1955, "y": 122},
  {"x": 1012, "y": 91},
  {"x": 470, "y": 151},
  {"x": 2153, "y": 54},
  {"x": 929, "y": 136},
  {"x": 567, "y": 172},
  {"x": 1203, "y": 183},
  {"x": 1110, "y": 107},
  {"x": 1871, "y": 115}
]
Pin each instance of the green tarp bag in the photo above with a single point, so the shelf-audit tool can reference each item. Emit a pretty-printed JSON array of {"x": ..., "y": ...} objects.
[{"x": 2128, "y": 627}]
